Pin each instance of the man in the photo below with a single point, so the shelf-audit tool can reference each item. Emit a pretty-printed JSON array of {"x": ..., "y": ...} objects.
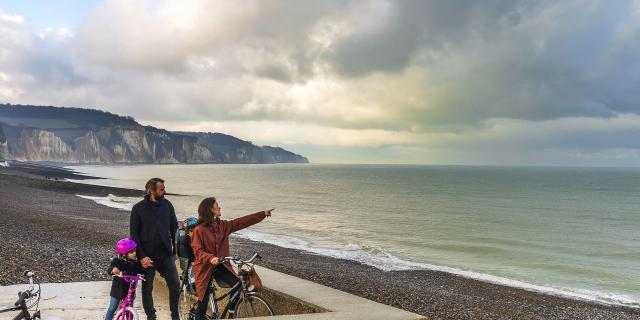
[{"x": 153, "y": 226}]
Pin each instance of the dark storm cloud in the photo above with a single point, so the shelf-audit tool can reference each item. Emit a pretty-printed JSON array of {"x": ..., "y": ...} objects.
[
  {"x": 508, "y": 59},
  {"x": 418, "y": 24}
]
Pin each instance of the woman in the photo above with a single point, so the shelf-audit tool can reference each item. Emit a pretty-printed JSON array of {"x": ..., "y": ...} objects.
[{"x": 210, "y": 242}]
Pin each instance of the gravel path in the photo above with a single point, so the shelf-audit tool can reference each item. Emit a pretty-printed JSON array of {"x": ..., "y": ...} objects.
[{"x": 64, "y": 238}]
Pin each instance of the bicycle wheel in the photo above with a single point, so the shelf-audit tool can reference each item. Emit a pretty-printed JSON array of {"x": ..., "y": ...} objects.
[
  {"x": 131, "y": 314},
  {"x": 126, "y": 314},
  {"x": 253, "y": 306},
  {"x": 120, "y": 315},
  {"x": 187, "y": 304}
]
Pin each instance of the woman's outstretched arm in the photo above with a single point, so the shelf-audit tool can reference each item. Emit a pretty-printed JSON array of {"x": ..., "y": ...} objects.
[{"x": 248, "y": 220}]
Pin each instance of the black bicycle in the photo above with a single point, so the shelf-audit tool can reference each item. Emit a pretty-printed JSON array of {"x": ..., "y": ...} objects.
[
  {"x": 188, "y": 298},
  {"x": 246, "y": 302},
  {"x": 25, "y": 300}
]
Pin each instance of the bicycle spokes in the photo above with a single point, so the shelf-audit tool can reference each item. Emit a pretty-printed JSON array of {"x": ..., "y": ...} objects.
[{"x": 253, "y": 306}]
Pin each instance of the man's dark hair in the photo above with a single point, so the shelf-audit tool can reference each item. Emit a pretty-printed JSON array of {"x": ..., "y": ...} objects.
[
  {"x": 205, "y": 217},
  {"x": 152, "y": 184}
]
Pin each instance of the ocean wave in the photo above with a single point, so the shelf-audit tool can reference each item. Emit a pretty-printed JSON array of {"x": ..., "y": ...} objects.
[
  {"x": 122, "y": 203},
  {"x": 380, "y": 259}
]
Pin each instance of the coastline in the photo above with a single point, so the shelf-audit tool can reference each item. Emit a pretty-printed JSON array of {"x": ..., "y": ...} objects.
[{"x": 66, "y": 238}]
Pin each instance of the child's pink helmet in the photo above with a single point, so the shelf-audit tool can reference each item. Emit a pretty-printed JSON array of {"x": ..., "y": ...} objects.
[{"x": 125, "y": 245}]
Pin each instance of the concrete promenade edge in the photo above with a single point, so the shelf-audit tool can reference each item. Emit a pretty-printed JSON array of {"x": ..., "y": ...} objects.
[{"x": 89, "y": 300}]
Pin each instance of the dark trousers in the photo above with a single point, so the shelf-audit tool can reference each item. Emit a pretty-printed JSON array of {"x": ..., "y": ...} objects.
[
  {"x": 167, "y": 269},
  {"x": 225, "y": 278}
]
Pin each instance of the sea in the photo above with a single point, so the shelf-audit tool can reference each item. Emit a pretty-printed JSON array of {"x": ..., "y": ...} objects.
[{"x": 572, "y": 232}]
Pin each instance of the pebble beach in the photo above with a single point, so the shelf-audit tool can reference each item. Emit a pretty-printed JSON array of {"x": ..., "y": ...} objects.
[{"x": 64, "y": 238}]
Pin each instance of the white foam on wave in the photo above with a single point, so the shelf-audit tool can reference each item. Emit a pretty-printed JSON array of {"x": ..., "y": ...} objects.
[
  {"x": 122, "y": 203},
  {"x": 380, "y": 259}
]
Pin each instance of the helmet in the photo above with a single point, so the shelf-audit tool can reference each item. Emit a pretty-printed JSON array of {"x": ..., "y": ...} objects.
[
  {"x": 125, "y": 245},
  {"x": 189, "y": 223}
]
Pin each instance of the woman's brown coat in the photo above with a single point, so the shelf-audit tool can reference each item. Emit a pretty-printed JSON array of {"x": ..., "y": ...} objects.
[{"x": 213, "y": 241}]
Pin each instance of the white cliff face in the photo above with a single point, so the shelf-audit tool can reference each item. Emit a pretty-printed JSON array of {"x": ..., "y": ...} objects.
[
  {"x": 168, "y": 156},
  {"x": 119, "y": 153},
  {"x": 4, "y": 151},
  {"x": 248, "y": 155},
  {"x": 88, "y": 148},
  {"x": 118, "y": 145},
  {"x": 136, "y": 142},
  {"x": 92, "y": 136},
  {"x": 195, "y": 152},
  {"x": 42, "y": 144},
  {"x": 201, "y": 154}
]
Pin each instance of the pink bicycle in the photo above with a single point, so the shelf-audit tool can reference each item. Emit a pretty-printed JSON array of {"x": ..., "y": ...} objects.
[{"x": 125, "y": 308}]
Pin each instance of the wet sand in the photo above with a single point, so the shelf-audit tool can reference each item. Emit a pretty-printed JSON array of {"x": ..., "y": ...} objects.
[{"x": 64, "y": 238}]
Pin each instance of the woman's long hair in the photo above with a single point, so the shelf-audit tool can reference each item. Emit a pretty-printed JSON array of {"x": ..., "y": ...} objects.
[{"x": 205, "y": 216}]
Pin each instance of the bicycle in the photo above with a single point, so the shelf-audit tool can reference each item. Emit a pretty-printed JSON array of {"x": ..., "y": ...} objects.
[
  {"x": 23, "y": 299},
  {"x": 187, "y": 293},
  {"x": 247, "y": 302},
  {"x": 125, "y": 307}
]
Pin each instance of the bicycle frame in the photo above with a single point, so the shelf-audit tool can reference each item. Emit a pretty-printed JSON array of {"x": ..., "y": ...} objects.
[
  {"x": 213, "y": 301},
  {"x": 239, "y": 289},
  {"x": 127, "y": 301},
  {"x": 24, "y": 312},
  {"x": 21, "y": 304},
  {"x": 238, "y": 293}
]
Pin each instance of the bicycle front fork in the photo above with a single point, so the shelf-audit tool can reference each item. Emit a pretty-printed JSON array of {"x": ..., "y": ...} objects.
[{"x": 212, "y": 302}]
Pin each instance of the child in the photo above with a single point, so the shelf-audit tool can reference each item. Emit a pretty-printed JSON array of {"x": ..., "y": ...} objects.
[
  {"x": 184, "y": 239},
  {"x": 184, "y": 248},
  {"x": 125, "y": 263}
]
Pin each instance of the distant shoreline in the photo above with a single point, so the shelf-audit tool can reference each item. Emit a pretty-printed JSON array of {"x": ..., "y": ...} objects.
[
  {"x": 71, "y": 239},
  {"x": 47, "y": 163},
  {"x": 487, "y": 166}
]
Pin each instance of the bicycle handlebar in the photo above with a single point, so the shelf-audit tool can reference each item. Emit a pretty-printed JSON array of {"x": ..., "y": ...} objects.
[
  {"x": 237, "y": 259},
  {"x": 22, "y": 297},
  {"x": 128, "y": 277},
  {"x": 31, "y": 275}
]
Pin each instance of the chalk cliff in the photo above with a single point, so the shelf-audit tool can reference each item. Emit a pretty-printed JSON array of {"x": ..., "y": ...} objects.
[
  {"x": 74, "y": 135},
  {"x": 3, "y": 146}
]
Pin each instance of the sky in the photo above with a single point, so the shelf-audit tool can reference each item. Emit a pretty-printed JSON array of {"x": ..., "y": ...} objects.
[{"x": 494, "y": 82}]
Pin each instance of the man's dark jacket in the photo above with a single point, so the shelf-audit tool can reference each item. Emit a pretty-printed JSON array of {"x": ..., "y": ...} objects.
[{"x": 153, "y": 227}]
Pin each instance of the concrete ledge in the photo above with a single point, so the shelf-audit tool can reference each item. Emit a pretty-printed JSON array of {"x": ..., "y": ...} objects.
[
  {"x": 77, "y": 300},
  {"x": 331, "y": 303},
  {"x": 293, "y": 298}
]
